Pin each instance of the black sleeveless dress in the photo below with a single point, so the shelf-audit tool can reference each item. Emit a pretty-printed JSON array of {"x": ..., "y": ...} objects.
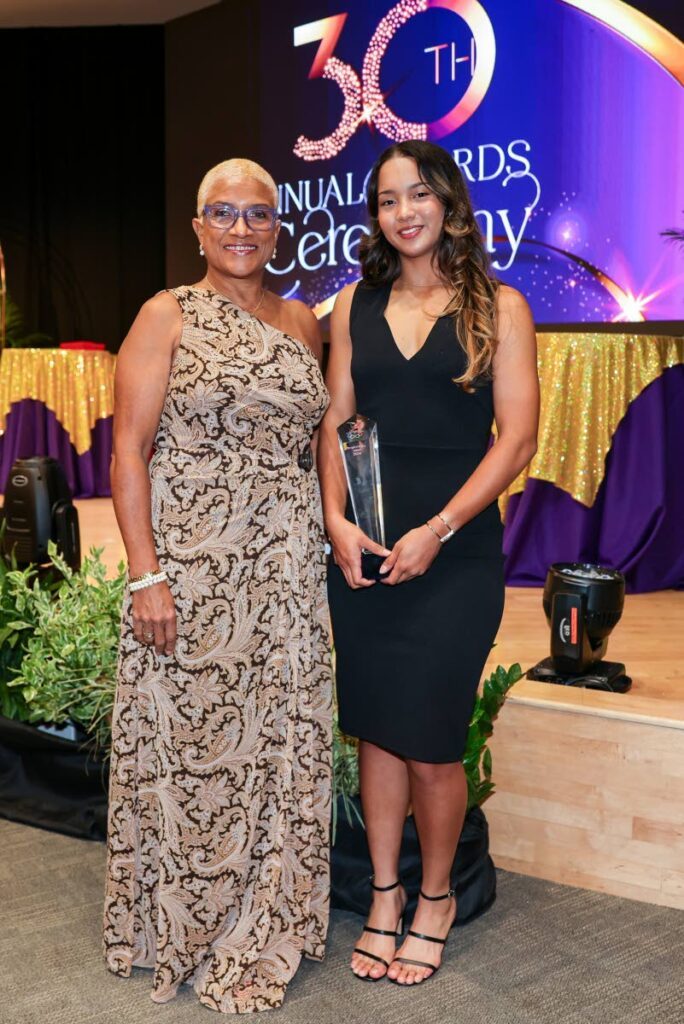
[{"x": 410, "y": 657}]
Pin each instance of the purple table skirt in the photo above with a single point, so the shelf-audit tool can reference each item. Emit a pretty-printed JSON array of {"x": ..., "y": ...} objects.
[
  {"x": 32, "y": 429},
  {"x": 636, "y": 524}
]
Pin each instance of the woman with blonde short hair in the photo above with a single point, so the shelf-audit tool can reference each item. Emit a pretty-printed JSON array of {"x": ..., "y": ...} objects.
[{"x": 220, "y": 784}]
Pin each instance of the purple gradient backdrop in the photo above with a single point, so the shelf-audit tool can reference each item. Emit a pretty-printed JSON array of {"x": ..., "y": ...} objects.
[{"x": 604, "y": 123}]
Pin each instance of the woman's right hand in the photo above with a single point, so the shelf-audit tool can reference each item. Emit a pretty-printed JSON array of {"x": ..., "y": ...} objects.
[
  {"x": 348, "y": 541},
  {"x": 154, "y": 617}
]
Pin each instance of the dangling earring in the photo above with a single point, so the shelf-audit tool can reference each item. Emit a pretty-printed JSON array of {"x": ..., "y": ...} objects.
[
  {"x": 201, "y": 250},
  {"x": 274, "y": 253}
]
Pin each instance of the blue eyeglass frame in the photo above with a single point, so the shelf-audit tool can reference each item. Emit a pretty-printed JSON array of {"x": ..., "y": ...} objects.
[{"x": 211, "y": 208}]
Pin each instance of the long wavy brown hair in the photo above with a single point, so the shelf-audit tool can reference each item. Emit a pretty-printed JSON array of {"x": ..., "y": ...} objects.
[{"x": 461, "y": 258}]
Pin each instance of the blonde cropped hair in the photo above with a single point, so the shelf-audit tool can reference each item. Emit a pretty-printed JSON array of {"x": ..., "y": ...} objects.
[{"x": 230, "y": 171}]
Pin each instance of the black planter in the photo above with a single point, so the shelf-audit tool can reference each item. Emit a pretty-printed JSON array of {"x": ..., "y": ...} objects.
[
  {"x": 473, "y": 875},
  {"x": 51, "y": 782}
]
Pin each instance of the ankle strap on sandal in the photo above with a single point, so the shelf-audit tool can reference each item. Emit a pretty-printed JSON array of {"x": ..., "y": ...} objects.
[
  {"x": 383, "y": 888},
  {"x": 445, "y": 896}
]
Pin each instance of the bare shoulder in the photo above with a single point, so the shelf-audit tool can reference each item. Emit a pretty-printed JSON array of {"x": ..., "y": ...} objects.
[
  {"x": 303, "y": 325},
  {"x": 159, "y": 318},
  {"x": 158, "y": 325},
  {"x": 344, "y": 298},
  {"x": 513, "y": 312},
  {"x": 300, "y": 313},
  {"x": 339, "y": 319},
  {"x": 510, "y": 301}
]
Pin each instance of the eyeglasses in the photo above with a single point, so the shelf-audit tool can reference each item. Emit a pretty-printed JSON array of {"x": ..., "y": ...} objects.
[{"x": 257, "y": 218}]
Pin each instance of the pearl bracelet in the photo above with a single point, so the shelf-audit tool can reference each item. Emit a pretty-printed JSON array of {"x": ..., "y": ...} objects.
[{"x": 148, "y": 579}]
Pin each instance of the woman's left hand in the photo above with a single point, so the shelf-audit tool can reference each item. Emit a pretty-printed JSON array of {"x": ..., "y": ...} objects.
[{"x": 411, "y": 556}]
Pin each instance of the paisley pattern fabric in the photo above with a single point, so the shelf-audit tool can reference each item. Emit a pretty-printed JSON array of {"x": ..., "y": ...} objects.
[{"x": 218, "y": 867}]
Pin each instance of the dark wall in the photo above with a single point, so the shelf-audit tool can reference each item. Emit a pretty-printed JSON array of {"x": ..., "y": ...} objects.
[
  {"x": 668, "y": 14},
  {"x": 82, "y": 176},
  {"x": 212, "y": 114}
]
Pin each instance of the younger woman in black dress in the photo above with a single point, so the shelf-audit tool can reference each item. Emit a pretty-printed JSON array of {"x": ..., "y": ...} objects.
[{"x": 433, "y": 349}]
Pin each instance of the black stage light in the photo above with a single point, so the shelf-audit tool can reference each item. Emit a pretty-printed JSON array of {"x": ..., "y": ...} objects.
[
  {"x": 38, "y": 508},
  {"x": 583, "y": 604}
]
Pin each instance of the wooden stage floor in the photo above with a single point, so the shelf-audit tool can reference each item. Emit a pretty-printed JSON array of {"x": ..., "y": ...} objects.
[
  {"x": 649, "y": 638},
  {"x": 589, "y": 785}
]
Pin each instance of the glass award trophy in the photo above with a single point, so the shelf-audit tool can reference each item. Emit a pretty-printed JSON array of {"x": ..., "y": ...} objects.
[{"x": 358, "y": 438}]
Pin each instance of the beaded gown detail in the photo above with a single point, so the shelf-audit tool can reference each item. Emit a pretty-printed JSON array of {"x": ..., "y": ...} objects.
[{"x": 218, "y": 854}]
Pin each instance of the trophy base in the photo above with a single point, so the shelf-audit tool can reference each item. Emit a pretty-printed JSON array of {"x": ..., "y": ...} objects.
[{"x": 370, "y": 566}]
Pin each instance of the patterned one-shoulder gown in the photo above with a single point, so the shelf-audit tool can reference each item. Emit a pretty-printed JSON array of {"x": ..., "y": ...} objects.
[{"x": 221, "y": 763}]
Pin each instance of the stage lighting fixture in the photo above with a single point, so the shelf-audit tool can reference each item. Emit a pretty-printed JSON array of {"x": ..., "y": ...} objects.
[
  {"x": 38, "y": 508},
  {"x": 583, "y": 604}
]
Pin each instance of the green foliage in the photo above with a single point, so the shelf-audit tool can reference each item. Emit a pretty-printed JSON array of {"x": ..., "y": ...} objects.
[
  {"x": 18, "y": 620},
  {"x": 16, "y": 337},
  {"x": 70, "y": 638},
  {"x": 345, "y": 776},
  {"x": 477, "y": 759}
]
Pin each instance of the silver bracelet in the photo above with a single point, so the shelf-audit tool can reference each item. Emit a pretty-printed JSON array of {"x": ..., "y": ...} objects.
[
  {"x": 148, "y": 579},
  {"x": 449, "y": 535}
]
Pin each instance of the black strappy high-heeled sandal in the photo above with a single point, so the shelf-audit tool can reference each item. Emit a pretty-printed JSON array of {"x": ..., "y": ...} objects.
[
  {"x": 426, "y": 938},
  {"x": 380, "y": 931}
]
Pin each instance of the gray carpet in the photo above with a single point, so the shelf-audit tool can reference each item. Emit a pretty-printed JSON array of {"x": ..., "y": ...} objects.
[{"x": 544, "y": 954}]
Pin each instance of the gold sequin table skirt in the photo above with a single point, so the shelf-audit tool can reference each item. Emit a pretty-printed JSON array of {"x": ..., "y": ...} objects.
[
  {"x": 607, "y": 482},
  {"x": 60, "y": 403}
]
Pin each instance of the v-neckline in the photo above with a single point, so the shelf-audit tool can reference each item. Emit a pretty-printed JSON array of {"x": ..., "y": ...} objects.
[{"x": 390, "y": 332}]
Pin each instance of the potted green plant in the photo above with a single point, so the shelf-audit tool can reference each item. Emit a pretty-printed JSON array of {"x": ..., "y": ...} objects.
[
  {"x": 64, "y": 638},
  {"x": 59, "y": 637},
  {"x": 474, "y": 877}
]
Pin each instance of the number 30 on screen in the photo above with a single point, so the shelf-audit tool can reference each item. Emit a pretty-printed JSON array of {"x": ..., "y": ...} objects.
[{"x": 363, "y": 100}]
